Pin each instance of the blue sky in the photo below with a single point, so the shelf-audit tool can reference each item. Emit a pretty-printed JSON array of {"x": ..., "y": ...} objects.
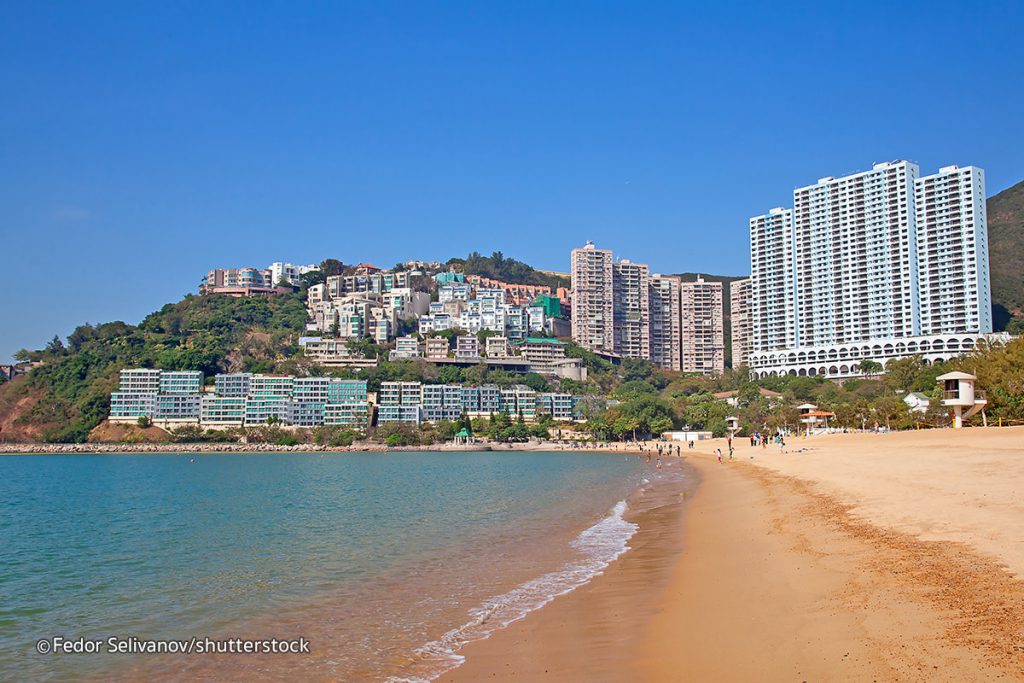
[{"x": 144, "y": 143}]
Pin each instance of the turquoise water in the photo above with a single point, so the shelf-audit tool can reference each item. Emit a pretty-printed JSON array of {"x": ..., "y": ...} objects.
[{"x": 366, "y": 555}]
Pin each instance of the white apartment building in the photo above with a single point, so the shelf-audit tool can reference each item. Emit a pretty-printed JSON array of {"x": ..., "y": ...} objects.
[
  {"x": 854, "y": 257},
  {"x": 702, "y": 347},
  {"x": 739, "y": 305},
  {"x": 881, "y": 264},
  {"x": 665, "y": 319},
  {"x": 289, "y": 272},
  {"x": 772, "y": 301},
  {"x": 952, "y": 251},
  {"x": 593, "y": 319}
]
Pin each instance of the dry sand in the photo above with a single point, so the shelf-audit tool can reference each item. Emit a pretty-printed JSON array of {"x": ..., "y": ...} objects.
[
  {"x": 868, "y": 557},
  {"x": 964, "y": 485}
]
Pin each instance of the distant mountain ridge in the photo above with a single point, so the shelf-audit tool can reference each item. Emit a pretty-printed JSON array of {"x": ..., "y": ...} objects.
[{"x": 1006, "y": 255}]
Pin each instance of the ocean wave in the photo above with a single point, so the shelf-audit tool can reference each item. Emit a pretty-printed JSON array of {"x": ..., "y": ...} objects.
[{"x": 599, "y": 544}]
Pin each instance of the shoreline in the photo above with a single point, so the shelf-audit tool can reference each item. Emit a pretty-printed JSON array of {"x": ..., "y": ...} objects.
[
  {"x": 773, "y": 576},
  {"x": 181, "y": 448},
  {"x": 559, "y": 640}
]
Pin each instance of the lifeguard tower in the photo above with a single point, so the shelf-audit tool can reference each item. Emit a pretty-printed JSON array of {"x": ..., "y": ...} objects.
[
  {"x": 732, "y": 423},
  {"x": 958, "y": 393},
  {"x": 811, "y": 417}
]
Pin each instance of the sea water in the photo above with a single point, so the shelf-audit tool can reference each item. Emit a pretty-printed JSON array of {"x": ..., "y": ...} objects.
[{"x": 385, "y": 564}]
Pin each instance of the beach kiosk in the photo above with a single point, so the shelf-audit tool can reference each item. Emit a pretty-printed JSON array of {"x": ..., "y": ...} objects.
[{"x": 958, "y": 393}]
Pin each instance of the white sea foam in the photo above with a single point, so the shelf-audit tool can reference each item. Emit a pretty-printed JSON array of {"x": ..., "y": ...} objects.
[{"x": 600, "y": 544}]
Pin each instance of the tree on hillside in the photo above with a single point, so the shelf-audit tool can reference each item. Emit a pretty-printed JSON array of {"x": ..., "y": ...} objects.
[
  {"x": 498, "y": 267},
  {"x": 870, "y": 368},
  {"x": 311, "y": 279},
  {"x": 901, "y": 372},
  {"x": 55, "y": 347},
  {"x": 331, "y": 267}
]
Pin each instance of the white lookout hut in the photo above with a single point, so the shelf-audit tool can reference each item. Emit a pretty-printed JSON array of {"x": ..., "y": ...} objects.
[{"x": 958, "y": 393}]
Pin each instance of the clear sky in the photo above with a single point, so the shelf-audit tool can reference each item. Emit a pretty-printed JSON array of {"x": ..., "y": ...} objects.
[{"x": 143, "y": 143}]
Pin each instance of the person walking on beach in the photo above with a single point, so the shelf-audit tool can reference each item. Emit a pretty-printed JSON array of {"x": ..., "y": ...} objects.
[
  {"x": 659, "y": 463},
  {"x": 718, "y": 454}
]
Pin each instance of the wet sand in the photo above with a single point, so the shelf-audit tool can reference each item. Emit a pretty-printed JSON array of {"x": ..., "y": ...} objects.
[
  {"x": 800, "y": 567},
  {"x": 594, "y": 632}
]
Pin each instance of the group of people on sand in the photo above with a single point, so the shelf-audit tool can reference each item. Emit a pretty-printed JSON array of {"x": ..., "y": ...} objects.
[{"x": 759, "y": 439}]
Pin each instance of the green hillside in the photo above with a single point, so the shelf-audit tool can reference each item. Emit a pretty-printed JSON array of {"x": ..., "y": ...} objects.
[
  {"x": 1006, "y": 257},
  {"x": 69, "y": 393},
  {"x": 498, "y": 267}
]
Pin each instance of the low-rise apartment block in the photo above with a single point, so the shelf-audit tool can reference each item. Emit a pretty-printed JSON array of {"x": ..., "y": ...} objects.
[
  {"x": 414, "y": 402},
  {"x": 158, "y": 395},
  {"x": 243, "y": 282},
  {"x": 497, "y": 347},
  {"x": 436, "y": 347},
  {"x": 238, "y": 399},
  {"x": 334, "y": 353},
  {"x": 467, "y": 346},
  {"x": 407, "y": 348}
]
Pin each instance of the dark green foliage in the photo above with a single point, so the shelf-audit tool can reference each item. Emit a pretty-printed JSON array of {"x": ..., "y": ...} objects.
[
  {"x": 330, "y": 267},
  {"x": 497, "y": 267},
  {"x": 451, "y": 374},
  {"x": 536, "y": 382},
  {"x": 501, "y": 427},
  {"x": 287, "y": 440}
]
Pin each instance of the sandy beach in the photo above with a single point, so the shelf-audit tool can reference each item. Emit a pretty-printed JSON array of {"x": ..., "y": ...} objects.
[{"x": 861, "y": 557}]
